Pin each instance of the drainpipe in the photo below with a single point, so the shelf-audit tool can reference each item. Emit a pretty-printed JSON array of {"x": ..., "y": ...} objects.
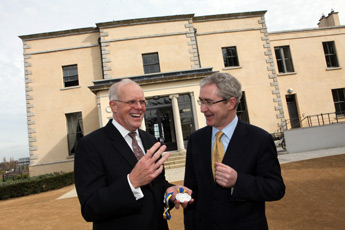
[
  {"x": 197, "y": 47},
  {"x": 100, "y": 48}
]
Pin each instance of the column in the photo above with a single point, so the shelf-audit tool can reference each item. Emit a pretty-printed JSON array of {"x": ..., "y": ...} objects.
[{"x": 177, "y": 121}]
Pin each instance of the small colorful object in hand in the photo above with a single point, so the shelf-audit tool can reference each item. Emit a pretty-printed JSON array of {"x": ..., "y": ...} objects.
[{"x": 182, "y": 196}]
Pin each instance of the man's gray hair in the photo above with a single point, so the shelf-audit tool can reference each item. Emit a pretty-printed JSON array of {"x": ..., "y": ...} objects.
[
  {"x": 227, "y": 84},
  {"x": 113, "y": 91}
]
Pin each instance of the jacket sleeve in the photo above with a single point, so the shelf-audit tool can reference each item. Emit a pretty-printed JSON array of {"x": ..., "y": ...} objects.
[
  {"x": 191, "y": 183},
  {"x": 263, "y": 182}
]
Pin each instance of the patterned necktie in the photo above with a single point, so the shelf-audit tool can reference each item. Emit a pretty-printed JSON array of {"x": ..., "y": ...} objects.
[
  {"x": 217, "y": 152},
  {"x": 138, "y": 152}
]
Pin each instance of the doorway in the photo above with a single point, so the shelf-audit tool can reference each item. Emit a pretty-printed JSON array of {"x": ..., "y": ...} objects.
[
  {"x": 159, "y": 121},
  {"x": 293, "y": 112}
]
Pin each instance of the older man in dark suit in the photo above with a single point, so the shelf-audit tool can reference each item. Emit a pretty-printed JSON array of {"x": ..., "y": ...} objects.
[
  {"x": 119, "y": 185},
  {"x": 231, "y": 166}
]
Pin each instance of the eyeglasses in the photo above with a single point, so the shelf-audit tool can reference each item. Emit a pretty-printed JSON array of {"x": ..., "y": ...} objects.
[
  {"x": 208, "y": 103},
  {"x": 133, "y": 103}
]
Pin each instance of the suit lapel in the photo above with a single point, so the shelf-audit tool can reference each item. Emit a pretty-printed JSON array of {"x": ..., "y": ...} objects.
[
  {"x": 205, "y": 154},
  {"x": 237, "y": 144},
  {"x": 119, "y": 143}
]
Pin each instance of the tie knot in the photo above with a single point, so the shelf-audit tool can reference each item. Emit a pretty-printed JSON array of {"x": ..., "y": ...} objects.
[
  {"x": 219, "y": 135},
  {"x": 132, "y": 134}
]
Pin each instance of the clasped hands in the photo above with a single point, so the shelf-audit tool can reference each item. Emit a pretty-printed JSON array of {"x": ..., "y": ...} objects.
[{"x": 149, "y": 167}]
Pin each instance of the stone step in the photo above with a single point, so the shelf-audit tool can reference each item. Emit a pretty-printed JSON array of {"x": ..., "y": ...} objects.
[
  {"x": 181, "y": 165},
  {"x": 180, "y": 161},
  {"x": 176, "y": 160}
]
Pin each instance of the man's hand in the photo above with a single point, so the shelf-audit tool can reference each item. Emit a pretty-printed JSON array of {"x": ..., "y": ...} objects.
[
  {"x": 225, "y": 175},
  {"x": 175, "y": 190},
  {"x": 147, "y": 169}
]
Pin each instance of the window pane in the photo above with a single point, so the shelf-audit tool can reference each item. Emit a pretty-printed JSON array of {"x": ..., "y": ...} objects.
[
  {"x": 284, "y": 59},
  {"x": 151, "y": 63},
  {"x": 75, "y": 130},
  {"x": 230, "y": 56},
  {"x": 70, "y": 75},
  {"x": 339, "y": 100},
  {"x": 330, "y": 54}
]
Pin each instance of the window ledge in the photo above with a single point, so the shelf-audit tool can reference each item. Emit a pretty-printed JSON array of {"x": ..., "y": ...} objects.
[
  {"x": 72, "y": 87},
  {"x": 284, "y": 74},
  {"x": 232, "y": 67},
  {"x": 332, "y": 68}
]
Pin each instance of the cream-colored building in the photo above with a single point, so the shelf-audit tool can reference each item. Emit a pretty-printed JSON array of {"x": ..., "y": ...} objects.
[{"x": 68, "y": 74}]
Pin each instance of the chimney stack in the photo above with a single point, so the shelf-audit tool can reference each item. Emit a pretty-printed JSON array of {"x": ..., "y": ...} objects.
[{"x": 332, "y": 19}]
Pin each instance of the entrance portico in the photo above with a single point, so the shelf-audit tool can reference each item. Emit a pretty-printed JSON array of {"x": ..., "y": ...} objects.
[{"x": 171, "y": 113}]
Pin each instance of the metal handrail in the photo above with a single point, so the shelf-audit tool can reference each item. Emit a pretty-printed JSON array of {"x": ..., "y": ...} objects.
[{"x": 308, "y": 121}]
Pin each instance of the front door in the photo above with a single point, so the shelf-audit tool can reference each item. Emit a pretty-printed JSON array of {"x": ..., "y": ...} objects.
[
  {"x": 293, "y": 113},
  {"x": 160, "y": 123}
]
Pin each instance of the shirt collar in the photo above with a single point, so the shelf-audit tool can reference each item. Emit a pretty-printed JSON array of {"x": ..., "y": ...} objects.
[
  {"x": 228, "y": 130},
  {"x": 121, "y": 129}
]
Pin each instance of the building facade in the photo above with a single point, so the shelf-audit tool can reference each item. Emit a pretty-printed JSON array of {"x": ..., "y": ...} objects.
[{"x": 68, "y": 74}]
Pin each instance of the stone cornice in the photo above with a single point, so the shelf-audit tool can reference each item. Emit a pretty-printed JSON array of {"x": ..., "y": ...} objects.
[
  {"x": 156, "y": 78},
  {"x": 139, "y": 21},
  {"x": 229, "y": 16},
  {"x": 61, "y": 33}
]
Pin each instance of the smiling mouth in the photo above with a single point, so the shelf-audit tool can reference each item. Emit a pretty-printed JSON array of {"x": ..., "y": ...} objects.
[{"x": 135, "y": 115}]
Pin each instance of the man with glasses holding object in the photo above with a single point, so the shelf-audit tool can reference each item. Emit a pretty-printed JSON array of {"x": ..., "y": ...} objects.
[
  {"x": 231, "y": 166},
  {"x": 119, "y": 186}
]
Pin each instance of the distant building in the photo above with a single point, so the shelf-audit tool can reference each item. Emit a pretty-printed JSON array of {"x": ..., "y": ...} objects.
[
  {"x": 23, "y": 161},
  {"x": 285, "y": 75}
]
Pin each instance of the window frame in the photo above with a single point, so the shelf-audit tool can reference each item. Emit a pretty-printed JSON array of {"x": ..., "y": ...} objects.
[
  {"x": 331, "y": 57},
  {"x": 70, "y": 79},
  {"x": 339, "y": 104},
  {"x": 74, "y": 135},
  {"x": 284, "y": 60},
  {"x": 230, "y": 60},
  {"x": 149, "y": 67}
]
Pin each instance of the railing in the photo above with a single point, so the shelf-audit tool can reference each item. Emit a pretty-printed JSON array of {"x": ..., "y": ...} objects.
[
  {"x": 308, "y": 121},
  {"x": 313, "y": 120}
]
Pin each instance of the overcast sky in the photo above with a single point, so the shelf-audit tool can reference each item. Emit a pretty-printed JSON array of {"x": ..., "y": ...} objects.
[{"x": 23, "y": 17}]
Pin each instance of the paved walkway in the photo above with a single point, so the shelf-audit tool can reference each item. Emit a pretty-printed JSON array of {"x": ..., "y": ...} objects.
[{"x": 177, "y": 174}]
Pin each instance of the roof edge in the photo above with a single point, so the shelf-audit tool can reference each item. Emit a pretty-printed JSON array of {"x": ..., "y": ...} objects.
[{"x": 59, "y": 33}]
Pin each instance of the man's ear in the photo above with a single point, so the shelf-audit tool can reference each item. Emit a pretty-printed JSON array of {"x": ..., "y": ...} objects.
[
  {"x": 113, "y": 106},
  {"x": 232, "y": 105}
]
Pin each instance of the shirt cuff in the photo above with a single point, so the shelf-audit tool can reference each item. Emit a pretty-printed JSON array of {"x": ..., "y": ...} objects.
[{"x": 138, "y": 194}]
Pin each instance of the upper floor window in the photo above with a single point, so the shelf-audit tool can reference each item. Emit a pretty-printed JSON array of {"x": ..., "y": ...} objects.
[
  {"x": 75, "y": 130},
  {"x": 70, "y": 75},
  {"x": 330, "y": 54},
  {"x": 151, "y": 63},
  {"x": 284, "y": 60},
  {"x": 230, "y": 56},
  {"x": 339, "y": 101}
]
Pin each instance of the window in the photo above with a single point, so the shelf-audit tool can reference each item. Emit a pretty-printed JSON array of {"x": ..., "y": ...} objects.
[
  {"x": 186, "y": 116},
  {"x": 75, "y": 130},
  {"x": 339, "y": 101},
  {"x": 230, "y": 56},
  {"x": 284, "y": 60},
  {"x": 330, "y": 54},
  {"x": 70, "y": 75},
  {"x": 242, "y": 111},
  {"x": 151, "y": 63}
]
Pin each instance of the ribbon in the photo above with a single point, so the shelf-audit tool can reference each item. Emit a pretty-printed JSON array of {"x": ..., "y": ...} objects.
[{"x": 166, "y": 213}]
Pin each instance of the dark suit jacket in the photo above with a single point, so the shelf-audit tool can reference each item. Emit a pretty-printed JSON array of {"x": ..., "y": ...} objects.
[
  {"x": 252, "y": 153},
  {"x": 102, "y": 161}
]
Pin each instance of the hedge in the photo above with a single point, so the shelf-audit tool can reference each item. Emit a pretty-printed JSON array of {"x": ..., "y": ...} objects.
[{"x": 35, "y": 185}]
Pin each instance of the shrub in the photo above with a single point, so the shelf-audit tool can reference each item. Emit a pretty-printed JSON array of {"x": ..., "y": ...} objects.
[{"x": 35, "y": 185}]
